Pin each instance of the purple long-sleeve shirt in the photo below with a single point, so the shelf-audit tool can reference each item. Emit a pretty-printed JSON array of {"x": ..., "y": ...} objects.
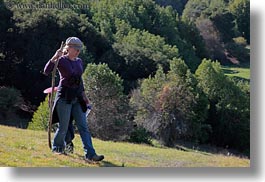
[{"x": 67, "y": 69}]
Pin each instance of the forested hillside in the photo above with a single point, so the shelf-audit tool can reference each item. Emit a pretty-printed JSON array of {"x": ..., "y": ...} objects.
[{"x": 153, "y": 69}]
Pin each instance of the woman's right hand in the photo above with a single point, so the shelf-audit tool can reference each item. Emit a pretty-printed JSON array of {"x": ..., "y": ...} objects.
[{"x": 57, "y": 55}]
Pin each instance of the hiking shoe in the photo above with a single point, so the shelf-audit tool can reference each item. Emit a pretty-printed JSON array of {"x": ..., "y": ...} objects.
[
  {"x": 95, "y": 158},
  {"x": 58, "y": 151},
  {"x": 69, "y": 148}
]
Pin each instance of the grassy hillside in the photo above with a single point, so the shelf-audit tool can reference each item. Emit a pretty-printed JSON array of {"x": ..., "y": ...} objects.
[{"x": 27, "y": 148}]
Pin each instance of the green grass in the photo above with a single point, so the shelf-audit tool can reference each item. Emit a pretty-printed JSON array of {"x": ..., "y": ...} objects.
[
  {"x": 28, "y": 148},
  {"x": 240, "y": 72}
]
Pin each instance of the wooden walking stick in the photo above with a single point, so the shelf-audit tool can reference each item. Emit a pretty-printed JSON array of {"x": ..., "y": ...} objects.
[{"x": 51, "y": 99}]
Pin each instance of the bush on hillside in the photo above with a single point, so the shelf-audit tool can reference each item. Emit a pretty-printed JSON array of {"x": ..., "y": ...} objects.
[
  {"x": 140, "y": 135},
  {"x": 10, "y": 100},
  {"x": 40, "y": 118},
  {"x": 109, "y": 119},
  {"x": 170, "y": 106},
  {"x": 229, "y": 108}
]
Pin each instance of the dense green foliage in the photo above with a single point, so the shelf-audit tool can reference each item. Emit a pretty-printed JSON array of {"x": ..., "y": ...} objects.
[
  {"x": 140, "y": 135},
  {"x": 219, "y": 21},
  {"x": 178, "y": 5},
  {"x": 207, "y": 108},
  {"x": 147, "y": 52},
  {"x": 109, "y": 115},
  {"x": 229, "y": 110},
  {"x": 240, "y": 9},
  {"x": 110, "y": 31},
  {"x": 10, "y": 99},
  {"x": 40, "y": 119},
  {"x": 12, "y": 107},
  {"x": 171, "y": 106}
]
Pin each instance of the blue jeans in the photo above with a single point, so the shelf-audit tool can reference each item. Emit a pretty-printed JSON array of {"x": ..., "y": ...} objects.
[
  {"x": 64, "y": 110},
  {"x": 70, "y": 134}
]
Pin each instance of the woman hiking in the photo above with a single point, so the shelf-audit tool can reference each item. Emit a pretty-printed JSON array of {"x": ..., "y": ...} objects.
[{"x": 70, "y": 100}]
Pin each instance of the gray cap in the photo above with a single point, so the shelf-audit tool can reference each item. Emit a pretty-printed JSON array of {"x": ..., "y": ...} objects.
[{"x": 74, "y": 42}]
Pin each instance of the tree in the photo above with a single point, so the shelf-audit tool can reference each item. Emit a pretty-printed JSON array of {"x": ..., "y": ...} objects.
[
  {"x": 29, "y": 47},
  {"x": 10, "y": 100},
  {"x": 109, "y": 117},
  {"x": 194, "y": 9},
  {"x": 142, "y": 52},
  {"x": 40, "y": 119},
  {"x": 191, "y": 35},
  {"x": 241, "y": 10},
  {"x": 115, "y": 17},
  {"x": 5, "y": 24},
  {"x": 219, "y": 21},
  {"x": 228, "y": 108},
  {"x": 225, "y": 24},
  {"x": 171, "y": 106},
  {"x": 212, "y": 39},
  {"x": 179, "y": 5}
]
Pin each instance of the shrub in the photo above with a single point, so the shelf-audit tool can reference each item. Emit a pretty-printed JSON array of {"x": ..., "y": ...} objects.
[
  {"x": 40, "y": 118},
  {"x": 170, "y": 106},
  {"x": 140, "y": 135},
  {"x": 238, "y": 51},
  {"x": 229, "y": 109},
  {"x": 10, "y": 100},
  {"x": 109, "y": 119}
]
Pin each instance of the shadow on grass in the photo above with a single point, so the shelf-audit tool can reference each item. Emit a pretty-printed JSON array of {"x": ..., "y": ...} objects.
[
  {"x": 108, "y": 164},
  {"x": 101, "y": 163},
  {"x": 231, "y": 72},
  {"x": 237, "y": 78},
  {"x": 228, "y": 71},
  {"x": 207, "y": 149}
]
